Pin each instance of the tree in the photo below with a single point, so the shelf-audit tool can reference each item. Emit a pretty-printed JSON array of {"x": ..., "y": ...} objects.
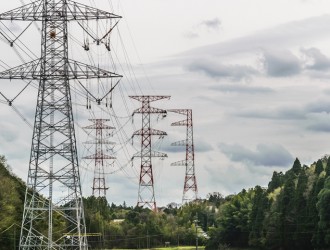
[
  {"x": 257, "y": 216},
  {"x": 301, "y": 236},
  {"x": 327, "y": 168},
  {"x": 275, "y": 182},
  {"x": 286, "y": 208},
  {"x": 323, "y": 204},
  {"x": 319, "y": 167},
  {"x": 296, "y": 168}
]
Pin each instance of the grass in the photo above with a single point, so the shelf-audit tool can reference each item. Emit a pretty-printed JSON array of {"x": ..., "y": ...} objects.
[
  {"x": 173, "y": 248},
  {"x": 179, "y": 248}
]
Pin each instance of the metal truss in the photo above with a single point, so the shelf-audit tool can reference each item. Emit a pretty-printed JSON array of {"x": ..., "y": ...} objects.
[
  {"x": 146, "y": 194},
  {"x": 53, "y": 216},
  {"x": 99, "y": 184},
  {"x": 190, "y": 191}
]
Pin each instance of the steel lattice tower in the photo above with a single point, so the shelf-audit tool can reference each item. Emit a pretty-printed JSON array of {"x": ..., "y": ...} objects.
[
  {"x": 146, "y": 195},
  {"x": 190, "y": 191},
  {"x": 53, "y": 184},
  {"x": 99, "y": 185}
]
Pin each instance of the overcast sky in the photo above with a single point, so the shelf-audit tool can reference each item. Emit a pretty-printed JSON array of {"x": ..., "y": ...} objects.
[{"x": 255, "y": 73}]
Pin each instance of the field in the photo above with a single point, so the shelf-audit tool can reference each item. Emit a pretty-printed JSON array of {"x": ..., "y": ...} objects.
[{"x": 172, "y": 248}]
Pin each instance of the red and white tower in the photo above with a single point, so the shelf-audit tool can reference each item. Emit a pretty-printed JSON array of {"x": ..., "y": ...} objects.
[
  {"x": 190, "y": 191},
  {"x": 99, "y": 183},
  {"x": 146, "y": 195}
]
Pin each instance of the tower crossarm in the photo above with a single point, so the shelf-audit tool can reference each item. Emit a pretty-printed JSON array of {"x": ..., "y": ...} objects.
[
  {"x": 152, "y": 154},
  {"x": 149, "y": 131},
  {"x": 97, "y": 126},
  {"x": 77, "y": 70},
  {"x": 103, "y": 141},
  {"x": 181, "y": 163},
  {"x": 99, "y": 156},
  {"x": 73, "y": 11},
  {"x": 150, "y": 110},
  {"x": 180, "y": 111},
  {"x": 30, "y": 70},
  {"x": 179, "y": 143},
  {"x": 149, "y": 98},
  {"x": 180, "y": 123}
]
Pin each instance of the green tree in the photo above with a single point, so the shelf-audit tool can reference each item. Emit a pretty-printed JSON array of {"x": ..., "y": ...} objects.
[
  {"x": 296, "y": 168},
  {"x": 323, "y": 205},
  {"x": 276, "y": 181},
  {"x": 319, "y": 167},
  {"x": 301, "y": 238},
  {"x": 257, "y": 216},
  {"x": 327, "y": 168}
]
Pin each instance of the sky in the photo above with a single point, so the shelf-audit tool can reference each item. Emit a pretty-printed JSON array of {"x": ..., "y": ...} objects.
[{"x": 255, "y": 73}]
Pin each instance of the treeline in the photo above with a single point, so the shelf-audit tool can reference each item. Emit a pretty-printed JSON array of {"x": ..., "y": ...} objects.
[
  {"x": 135, "y": 228},
  {"x": 293, "y": 212},
  {"x": 12, "y": 193}
]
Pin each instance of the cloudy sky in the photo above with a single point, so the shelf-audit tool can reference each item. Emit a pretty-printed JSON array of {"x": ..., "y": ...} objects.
[{"x": 255, "y": 73}]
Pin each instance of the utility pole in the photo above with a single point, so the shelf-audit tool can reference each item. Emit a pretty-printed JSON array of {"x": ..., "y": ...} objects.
[
  {"x": 190, "y": 191},
  {"x": 99, "y": 184},
  {"x": 146, "y": 194},
  {"x": 53, "y": 185}
]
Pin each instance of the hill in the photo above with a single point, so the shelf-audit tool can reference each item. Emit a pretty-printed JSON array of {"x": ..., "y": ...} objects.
[
  {"x": 292, "y": 212},
  {"x": 12, "y": 192}
]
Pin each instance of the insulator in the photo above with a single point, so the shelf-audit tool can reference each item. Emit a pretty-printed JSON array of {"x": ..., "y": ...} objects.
[
  {"x": 86, "y": 44},
  {"x": 110, "y": 98},
  {"x": 108, "y": 47}
]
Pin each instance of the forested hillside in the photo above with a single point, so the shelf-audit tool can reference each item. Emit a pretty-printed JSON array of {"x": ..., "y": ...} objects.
[
  {"x": 293, "y": 212},
  {"x": 12, "y": 192}
]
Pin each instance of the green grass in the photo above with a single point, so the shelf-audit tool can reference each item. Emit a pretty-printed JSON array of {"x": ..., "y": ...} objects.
[
  {"x": 180, "y": 248},
  {"x": 172, "y": 248}
]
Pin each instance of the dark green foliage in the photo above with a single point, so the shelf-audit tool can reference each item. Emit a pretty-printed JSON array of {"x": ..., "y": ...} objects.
[
  {"x": 301, "y": 236},
  {"x": 296, "y": 168},
  {"x": 233, "y": 222},
  {"x": 257, "y": 216},
  {"x": 318, "y": 167},
  {"x": 286, "y": 209},
  {"x": 327, "y": 168},
  {"x": 277, "y": 181},
  {"x": 12, "y": 192},
  {"x": 293, "y": 212}
]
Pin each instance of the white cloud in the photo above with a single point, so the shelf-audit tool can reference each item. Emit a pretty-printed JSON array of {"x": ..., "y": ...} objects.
[
  {"x": 281, "y": 63},
  {"x": 265, "y": 155}
]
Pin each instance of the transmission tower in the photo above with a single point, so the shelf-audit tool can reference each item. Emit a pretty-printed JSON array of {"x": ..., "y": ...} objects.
[
  {"x": 146, "y": 195},
  {"x": 99, "y": 185},
  {"x": 190, "y": 184},
  {"x": 53, "y": 216}
]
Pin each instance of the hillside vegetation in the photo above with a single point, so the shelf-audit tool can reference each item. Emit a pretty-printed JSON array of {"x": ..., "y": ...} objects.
[
  {"x": 293, "y": 212},
  {"x": 12, "y": 192}
]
